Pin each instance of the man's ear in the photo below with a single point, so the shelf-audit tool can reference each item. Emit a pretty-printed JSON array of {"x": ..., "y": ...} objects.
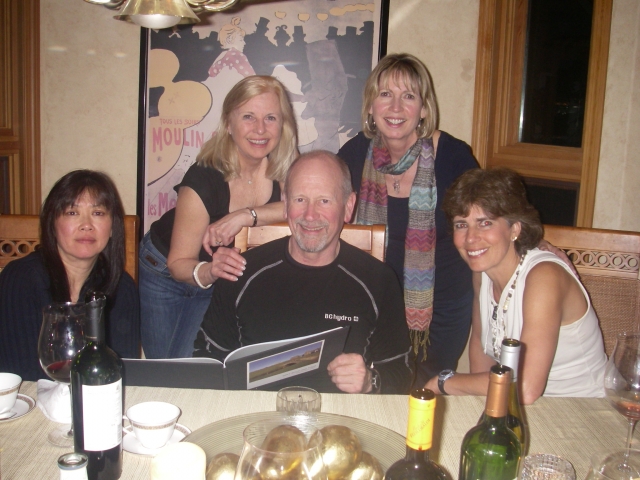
[{"x": 349, "y": 207}]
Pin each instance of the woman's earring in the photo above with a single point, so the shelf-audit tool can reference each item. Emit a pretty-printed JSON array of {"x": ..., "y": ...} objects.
[
  {"x": 514, "y": 239},
  {"x": 371, "y": 127}
]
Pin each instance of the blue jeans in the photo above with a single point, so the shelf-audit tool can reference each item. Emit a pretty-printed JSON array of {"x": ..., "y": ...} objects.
[{"x": 170, "y": 312}]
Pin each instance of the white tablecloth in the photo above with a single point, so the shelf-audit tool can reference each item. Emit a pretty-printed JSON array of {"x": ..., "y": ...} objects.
[{"x": 571, "y": 428}]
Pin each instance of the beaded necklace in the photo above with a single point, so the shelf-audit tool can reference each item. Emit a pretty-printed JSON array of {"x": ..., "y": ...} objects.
[{"x": 498, "y": 327}]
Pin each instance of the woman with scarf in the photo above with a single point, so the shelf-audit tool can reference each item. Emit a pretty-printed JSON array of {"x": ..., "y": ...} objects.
[{"x": 401, "y": 165}]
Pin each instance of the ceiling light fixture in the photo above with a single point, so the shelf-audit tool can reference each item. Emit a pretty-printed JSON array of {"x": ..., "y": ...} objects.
[{"x": 159, "y": 14}]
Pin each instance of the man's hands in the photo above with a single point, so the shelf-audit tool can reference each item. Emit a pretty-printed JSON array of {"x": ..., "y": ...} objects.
[{"x": 349, "y": 373}]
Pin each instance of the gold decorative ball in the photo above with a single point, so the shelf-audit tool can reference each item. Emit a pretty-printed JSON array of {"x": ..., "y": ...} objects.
[
  {"x": 284, "y": 439},
  {"x": 222, "y": 467},
  {"x": 341, "y": 450},
  {"x": 368, "y": 469}
]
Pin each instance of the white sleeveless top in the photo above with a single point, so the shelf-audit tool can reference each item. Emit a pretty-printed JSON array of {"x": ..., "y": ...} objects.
[{"x": 578, "y": 366}]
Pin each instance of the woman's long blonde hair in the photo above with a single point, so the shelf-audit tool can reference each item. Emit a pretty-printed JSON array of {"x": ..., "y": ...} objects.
[{"x": 220, "y": 151}]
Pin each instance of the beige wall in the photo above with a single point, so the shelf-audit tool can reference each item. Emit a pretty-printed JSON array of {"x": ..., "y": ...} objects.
[
  {"x": 89, "y": 88},
  {"x": 443, "y": 34},
  {"x": 90, "y": 91},
  {"x": 617, "y": 197}
]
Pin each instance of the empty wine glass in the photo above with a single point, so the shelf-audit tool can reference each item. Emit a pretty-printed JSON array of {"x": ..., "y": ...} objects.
[
  {"x": 281, "y": 448},
  {"x": 544, "y": 466},
  {"x": 622, "y": 387},
  {"x": 298, "y": 400},
  {"x": 61, "y": 338}
]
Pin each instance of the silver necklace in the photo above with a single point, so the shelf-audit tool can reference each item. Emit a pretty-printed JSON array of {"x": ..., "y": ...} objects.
[
  {"x": 396, "y": 182},
  {"x": 498, "y": 327}
]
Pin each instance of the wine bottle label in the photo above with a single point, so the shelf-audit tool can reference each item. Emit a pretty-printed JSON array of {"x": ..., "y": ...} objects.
[
  {"x": 102, "y": 416},
  {"x": 420, "y": 425}
]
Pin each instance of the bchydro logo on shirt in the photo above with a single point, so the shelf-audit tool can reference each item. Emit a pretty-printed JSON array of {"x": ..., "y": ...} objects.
[{"x": 340, "y": 318}]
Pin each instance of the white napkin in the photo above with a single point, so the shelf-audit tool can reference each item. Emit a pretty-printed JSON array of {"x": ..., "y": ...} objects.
[{"x": 54, "y": 399}]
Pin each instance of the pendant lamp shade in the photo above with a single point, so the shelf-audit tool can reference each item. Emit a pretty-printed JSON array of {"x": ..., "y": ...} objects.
[{"x": 157, "y": 14}]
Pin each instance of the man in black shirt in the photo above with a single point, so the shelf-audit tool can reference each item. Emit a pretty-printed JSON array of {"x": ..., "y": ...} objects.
[{"x": 311, "y": 282}]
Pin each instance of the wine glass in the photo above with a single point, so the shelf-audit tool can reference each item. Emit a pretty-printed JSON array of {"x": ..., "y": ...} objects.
[
  {"x": 61, "y": 338},
  {"x": 281, "y": 448},
  {"x": 294, "y": 400},
  {"x": 622, "y": 387},
  {"x": 545, "y": 466}
]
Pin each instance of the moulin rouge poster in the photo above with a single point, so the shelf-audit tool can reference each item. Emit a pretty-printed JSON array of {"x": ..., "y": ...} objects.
[{"x": 321, "y": 50}]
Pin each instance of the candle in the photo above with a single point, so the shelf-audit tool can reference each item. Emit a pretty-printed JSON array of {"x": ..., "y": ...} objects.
[{"x": 183, "y": 461}]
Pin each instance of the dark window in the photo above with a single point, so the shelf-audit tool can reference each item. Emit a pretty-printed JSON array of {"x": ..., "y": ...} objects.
[
  {"x": 556, "y": 202},
  {"x": 556, "y": 67}
]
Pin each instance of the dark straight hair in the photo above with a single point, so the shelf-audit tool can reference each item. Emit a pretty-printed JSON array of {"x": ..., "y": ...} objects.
[{"x": 110, "y": 264}]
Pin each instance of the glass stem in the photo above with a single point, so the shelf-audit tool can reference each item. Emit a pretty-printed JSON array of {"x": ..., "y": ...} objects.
[
  {"x": 70, "y": 432},
  {"x": 632, "y": 424}
]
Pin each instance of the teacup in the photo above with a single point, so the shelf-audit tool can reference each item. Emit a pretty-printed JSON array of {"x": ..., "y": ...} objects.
[
  {"x": 9, "y": 385},
  {"x": 153, "y": 422}
]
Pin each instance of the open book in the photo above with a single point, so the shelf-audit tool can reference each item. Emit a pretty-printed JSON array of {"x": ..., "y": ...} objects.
[{"x": 266, "y": 366}]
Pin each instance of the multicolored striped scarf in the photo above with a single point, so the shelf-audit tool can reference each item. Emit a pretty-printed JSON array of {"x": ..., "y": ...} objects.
[{"x": 420, "y": 242}]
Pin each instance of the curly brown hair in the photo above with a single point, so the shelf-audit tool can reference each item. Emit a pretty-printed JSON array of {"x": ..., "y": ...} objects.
[{"x": 499, "y": 192}]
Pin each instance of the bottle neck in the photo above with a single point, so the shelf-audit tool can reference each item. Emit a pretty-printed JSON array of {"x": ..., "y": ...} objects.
[
  {"x": 510, "y": 356},
  {"x": 95, "y": 321},
  {"x": 498, "y": 394},
  {"x": 422, "y": 404},
  {"x": 417, "y": 456}
]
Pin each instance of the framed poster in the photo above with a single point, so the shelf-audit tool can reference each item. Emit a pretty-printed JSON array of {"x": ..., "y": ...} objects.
[{"x": 321, "y": 50}]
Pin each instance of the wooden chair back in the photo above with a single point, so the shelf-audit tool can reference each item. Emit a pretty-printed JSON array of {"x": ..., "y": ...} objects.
[
  {"x": 608, "y": 262},
  {"x": 20, "y": 234},
  {"x": 369, "y": 238}
]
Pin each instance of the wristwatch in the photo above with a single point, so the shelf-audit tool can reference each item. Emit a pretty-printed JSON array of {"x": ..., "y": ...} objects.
[
  {"x": 443, "y": 377},
  {"x": 376, "y": 381}
]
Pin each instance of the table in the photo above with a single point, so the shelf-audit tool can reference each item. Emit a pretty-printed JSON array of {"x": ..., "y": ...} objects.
[{"x": 570, "y": 427}]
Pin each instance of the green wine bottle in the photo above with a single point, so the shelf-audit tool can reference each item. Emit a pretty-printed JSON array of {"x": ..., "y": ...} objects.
[
  {"x": 416, "y": 464},
  {"x": 510, "y": 357},
  {"x": 96, "y": 388},
  {"x": 490, "y": 450}
]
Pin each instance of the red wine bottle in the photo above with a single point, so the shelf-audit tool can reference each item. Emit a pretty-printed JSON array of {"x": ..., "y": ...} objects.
[
  {"x": 416, "y": 465},
  {"x": 97, "y": 393}
]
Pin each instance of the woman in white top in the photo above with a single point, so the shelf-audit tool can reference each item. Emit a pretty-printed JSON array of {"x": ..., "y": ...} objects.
[{"x": 525, "y": 293}]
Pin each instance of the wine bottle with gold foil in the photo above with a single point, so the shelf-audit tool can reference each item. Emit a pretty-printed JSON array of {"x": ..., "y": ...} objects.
[
  {"x": 510, "y": 357},
  {"x": 490, "y": 450},
  {"x": 416, "y": 464}
]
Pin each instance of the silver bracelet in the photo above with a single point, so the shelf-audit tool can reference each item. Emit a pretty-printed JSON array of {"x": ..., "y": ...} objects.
[
  {"x": 195, "y": 276},
  {"x": 254, "y": 215}
]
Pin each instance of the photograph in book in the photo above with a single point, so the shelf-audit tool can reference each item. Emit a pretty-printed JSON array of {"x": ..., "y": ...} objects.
[
  {"x": 284, "y": 365},
  {"x": 321, "y": 50}
]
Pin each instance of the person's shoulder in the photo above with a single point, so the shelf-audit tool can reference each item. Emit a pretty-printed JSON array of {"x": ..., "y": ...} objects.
[
  {"x": 452, "y": 143},
  {"x": 32, "y": 264},
  {"x": 363, "y": 262},
  {"x": 547, "y": 268},
  {"x": 26, "y": 274},
  {"x": 202, "y": 172},
  {"x": 264, "y": 254},
  {"x": 354, "y": 149}
]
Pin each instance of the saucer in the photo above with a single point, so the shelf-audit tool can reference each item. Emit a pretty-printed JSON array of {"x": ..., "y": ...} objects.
[
  {"x": 131, "y": 444},
  {"x": 24, "y": 404}
]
